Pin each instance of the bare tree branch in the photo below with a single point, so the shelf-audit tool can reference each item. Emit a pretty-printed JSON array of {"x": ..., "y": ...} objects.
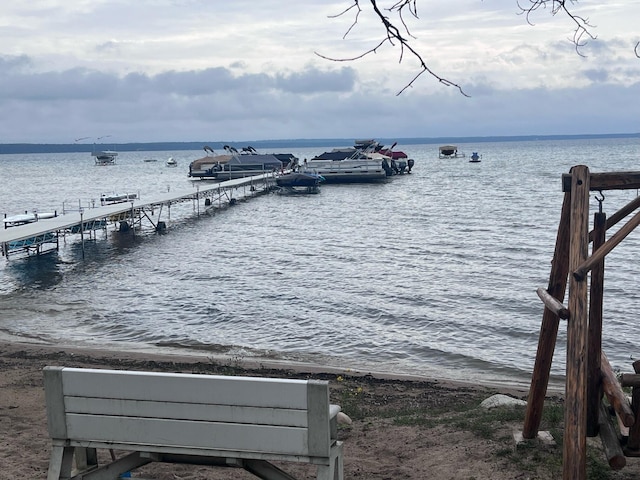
[
  {"x": 400, "y": 37},
  {"x": 393, "y": 37},
  {"x": 582, "y": 33}
]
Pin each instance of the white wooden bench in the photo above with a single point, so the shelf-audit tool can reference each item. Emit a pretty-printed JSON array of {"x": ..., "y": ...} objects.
[{"x": 245, "y": 422}]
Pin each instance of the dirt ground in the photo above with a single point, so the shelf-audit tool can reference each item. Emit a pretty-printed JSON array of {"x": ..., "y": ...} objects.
[{"x": 401, "y": 428}]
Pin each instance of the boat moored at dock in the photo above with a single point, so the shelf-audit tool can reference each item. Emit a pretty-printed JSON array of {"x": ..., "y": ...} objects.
[
  {"x": 360, "y": 163},
  {"x": 235, "y": 164}
]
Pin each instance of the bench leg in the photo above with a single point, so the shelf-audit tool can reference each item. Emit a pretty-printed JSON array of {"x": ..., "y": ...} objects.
[
  {"x": 86, "y": 458},
  {"x": 60, "y": 463},
  {"x": 265, "y": 470},
  {"x": 335, "y": 469}
]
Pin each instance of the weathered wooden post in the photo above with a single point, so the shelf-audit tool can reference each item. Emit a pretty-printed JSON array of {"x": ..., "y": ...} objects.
[
  {"x": 575, "y": 418},
  {"x": 632, "y": 449},
  {"x": 594, "y": 375},
  {"x": 549, "y": 329}
]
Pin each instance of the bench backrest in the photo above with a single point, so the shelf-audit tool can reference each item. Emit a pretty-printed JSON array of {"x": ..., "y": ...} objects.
[{"x": 211, "y": 412}]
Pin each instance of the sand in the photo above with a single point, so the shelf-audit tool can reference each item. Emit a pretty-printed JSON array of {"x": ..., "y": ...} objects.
[{"x": 402, "y": 428}]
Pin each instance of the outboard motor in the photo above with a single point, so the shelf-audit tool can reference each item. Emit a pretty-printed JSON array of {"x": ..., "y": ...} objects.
[
  {"x": 387, "y": 168},
  {"x": 410, "y": 163}
]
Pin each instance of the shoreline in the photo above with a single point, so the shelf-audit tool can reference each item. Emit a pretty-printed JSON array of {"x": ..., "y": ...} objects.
[
  {"x": 402, "y": 427},
  {"x": 10, "y": 343}
]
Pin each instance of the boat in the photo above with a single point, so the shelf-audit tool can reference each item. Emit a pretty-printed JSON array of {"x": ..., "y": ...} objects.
[
  {"x": 299, "y": 181},
  {"x": 117, "y": 198},
  {"x": 360, "y": 163},
  {"x": 172, "y": 162},
  {"x": 26, "y": 217},
  {"x": 238, "y": 164},
  {"x": 474, "y": 158},
  {"x": 105, "y": 157},
  {"x": 450, "y": 151},
  {"x": 150, "y": 160}
]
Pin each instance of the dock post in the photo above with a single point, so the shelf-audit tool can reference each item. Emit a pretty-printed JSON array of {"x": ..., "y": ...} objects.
[
  {"x": 82, "y": 231},
  {"x": 133, "y": 220}
]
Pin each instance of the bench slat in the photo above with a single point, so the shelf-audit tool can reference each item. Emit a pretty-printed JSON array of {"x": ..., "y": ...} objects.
[
  {"x": 148, "y": 431},
  {"x": 186, "y": 411},
  {"x": 186, "y": 388}
]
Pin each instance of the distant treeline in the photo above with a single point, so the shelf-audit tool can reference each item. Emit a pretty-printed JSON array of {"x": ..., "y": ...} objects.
[{"x": 8, "y": 148}]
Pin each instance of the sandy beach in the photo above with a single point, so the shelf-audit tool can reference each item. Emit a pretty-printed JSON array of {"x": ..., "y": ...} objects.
[{"x": 402, "y": 428}]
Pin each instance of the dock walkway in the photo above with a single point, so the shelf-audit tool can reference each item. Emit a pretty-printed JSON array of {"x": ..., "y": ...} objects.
[{"x": 31, "y": 236}]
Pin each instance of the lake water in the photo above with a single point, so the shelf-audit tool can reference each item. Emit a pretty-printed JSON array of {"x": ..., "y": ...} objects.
[{"x": 432, "y": 274}]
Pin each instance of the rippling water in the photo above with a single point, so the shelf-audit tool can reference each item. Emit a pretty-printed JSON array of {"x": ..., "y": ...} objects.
[{"x": 432, "y": 273}]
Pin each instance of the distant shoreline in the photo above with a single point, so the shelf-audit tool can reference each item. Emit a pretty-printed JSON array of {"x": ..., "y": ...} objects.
[{"x": 21, "y": 148}]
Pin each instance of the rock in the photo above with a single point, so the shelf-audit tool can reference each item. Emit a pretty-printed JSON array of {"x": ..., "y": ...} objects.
[{"x": 501, "y": 401}]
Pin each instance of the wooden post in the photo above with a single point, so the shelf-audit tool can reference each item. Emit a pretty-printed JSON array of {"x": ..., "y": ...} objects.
[
  {"x": 615, "y": 394},
  {"x": 549, "y": 328},
  {"x": 609, "y": 438},
  {"x": 632, "y": 449},
  {"x": 575, "y": 418},
  {"x": 594, "y": 375}
]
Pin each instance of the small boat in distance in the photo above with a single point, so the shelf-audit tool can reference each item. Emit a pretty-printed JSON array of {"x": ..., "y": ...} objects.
[
  {"x": 172, "y": 162},
  {"x": 450, "y": 151},
  {"x": 105, "y": 157},
  {"x": 475, "y": 158}
]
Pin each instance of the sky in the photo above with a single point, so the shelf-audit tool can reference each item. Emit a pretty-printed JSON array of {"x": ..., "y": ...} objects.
[{"x": 214, "y": 70}]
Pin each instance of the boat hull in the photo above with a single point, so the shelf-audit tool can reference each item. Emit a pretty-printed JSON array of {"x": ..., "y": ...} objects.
[
  {"x": 298, "y": 179},
  {"x": 348, "y": 171}
]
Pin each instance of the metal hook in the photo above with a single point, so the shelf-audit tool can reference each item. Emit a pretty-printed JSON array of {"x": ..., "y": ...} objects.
[{"x": 600, "y": 200}]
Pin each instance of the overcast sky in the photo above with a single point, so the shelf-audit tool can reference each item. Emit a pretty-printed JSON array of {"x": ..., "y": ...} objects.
[{"x": 191, "y": 70}]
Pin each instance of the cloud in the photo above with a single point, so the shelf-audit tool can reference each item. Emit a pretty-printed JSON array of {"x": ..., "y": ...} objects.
[{"x": 194, "y": 69}]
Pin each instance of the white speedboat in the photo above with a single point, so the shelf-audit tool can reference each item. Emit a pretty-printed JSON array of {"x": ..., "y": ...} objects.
[
  {"x": 172, "y": 162},
  {"x": 361, "y": 163}
]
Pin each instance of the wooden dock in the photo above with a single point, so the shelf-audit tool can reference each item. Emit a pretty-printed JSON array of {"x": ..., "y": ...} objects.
[{"x": 36, "y": 236}]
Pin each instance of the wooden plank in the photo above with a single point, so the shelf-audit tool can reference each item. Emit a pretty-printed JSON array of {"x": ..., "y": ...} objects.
[
  {"x": 575, "y": 419},
  {"x": 187, "y": 411},
  {"x": 607, "y": 181},
  {"x": 186, "y": 388},
  {"x": 188, "y": 434}
]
